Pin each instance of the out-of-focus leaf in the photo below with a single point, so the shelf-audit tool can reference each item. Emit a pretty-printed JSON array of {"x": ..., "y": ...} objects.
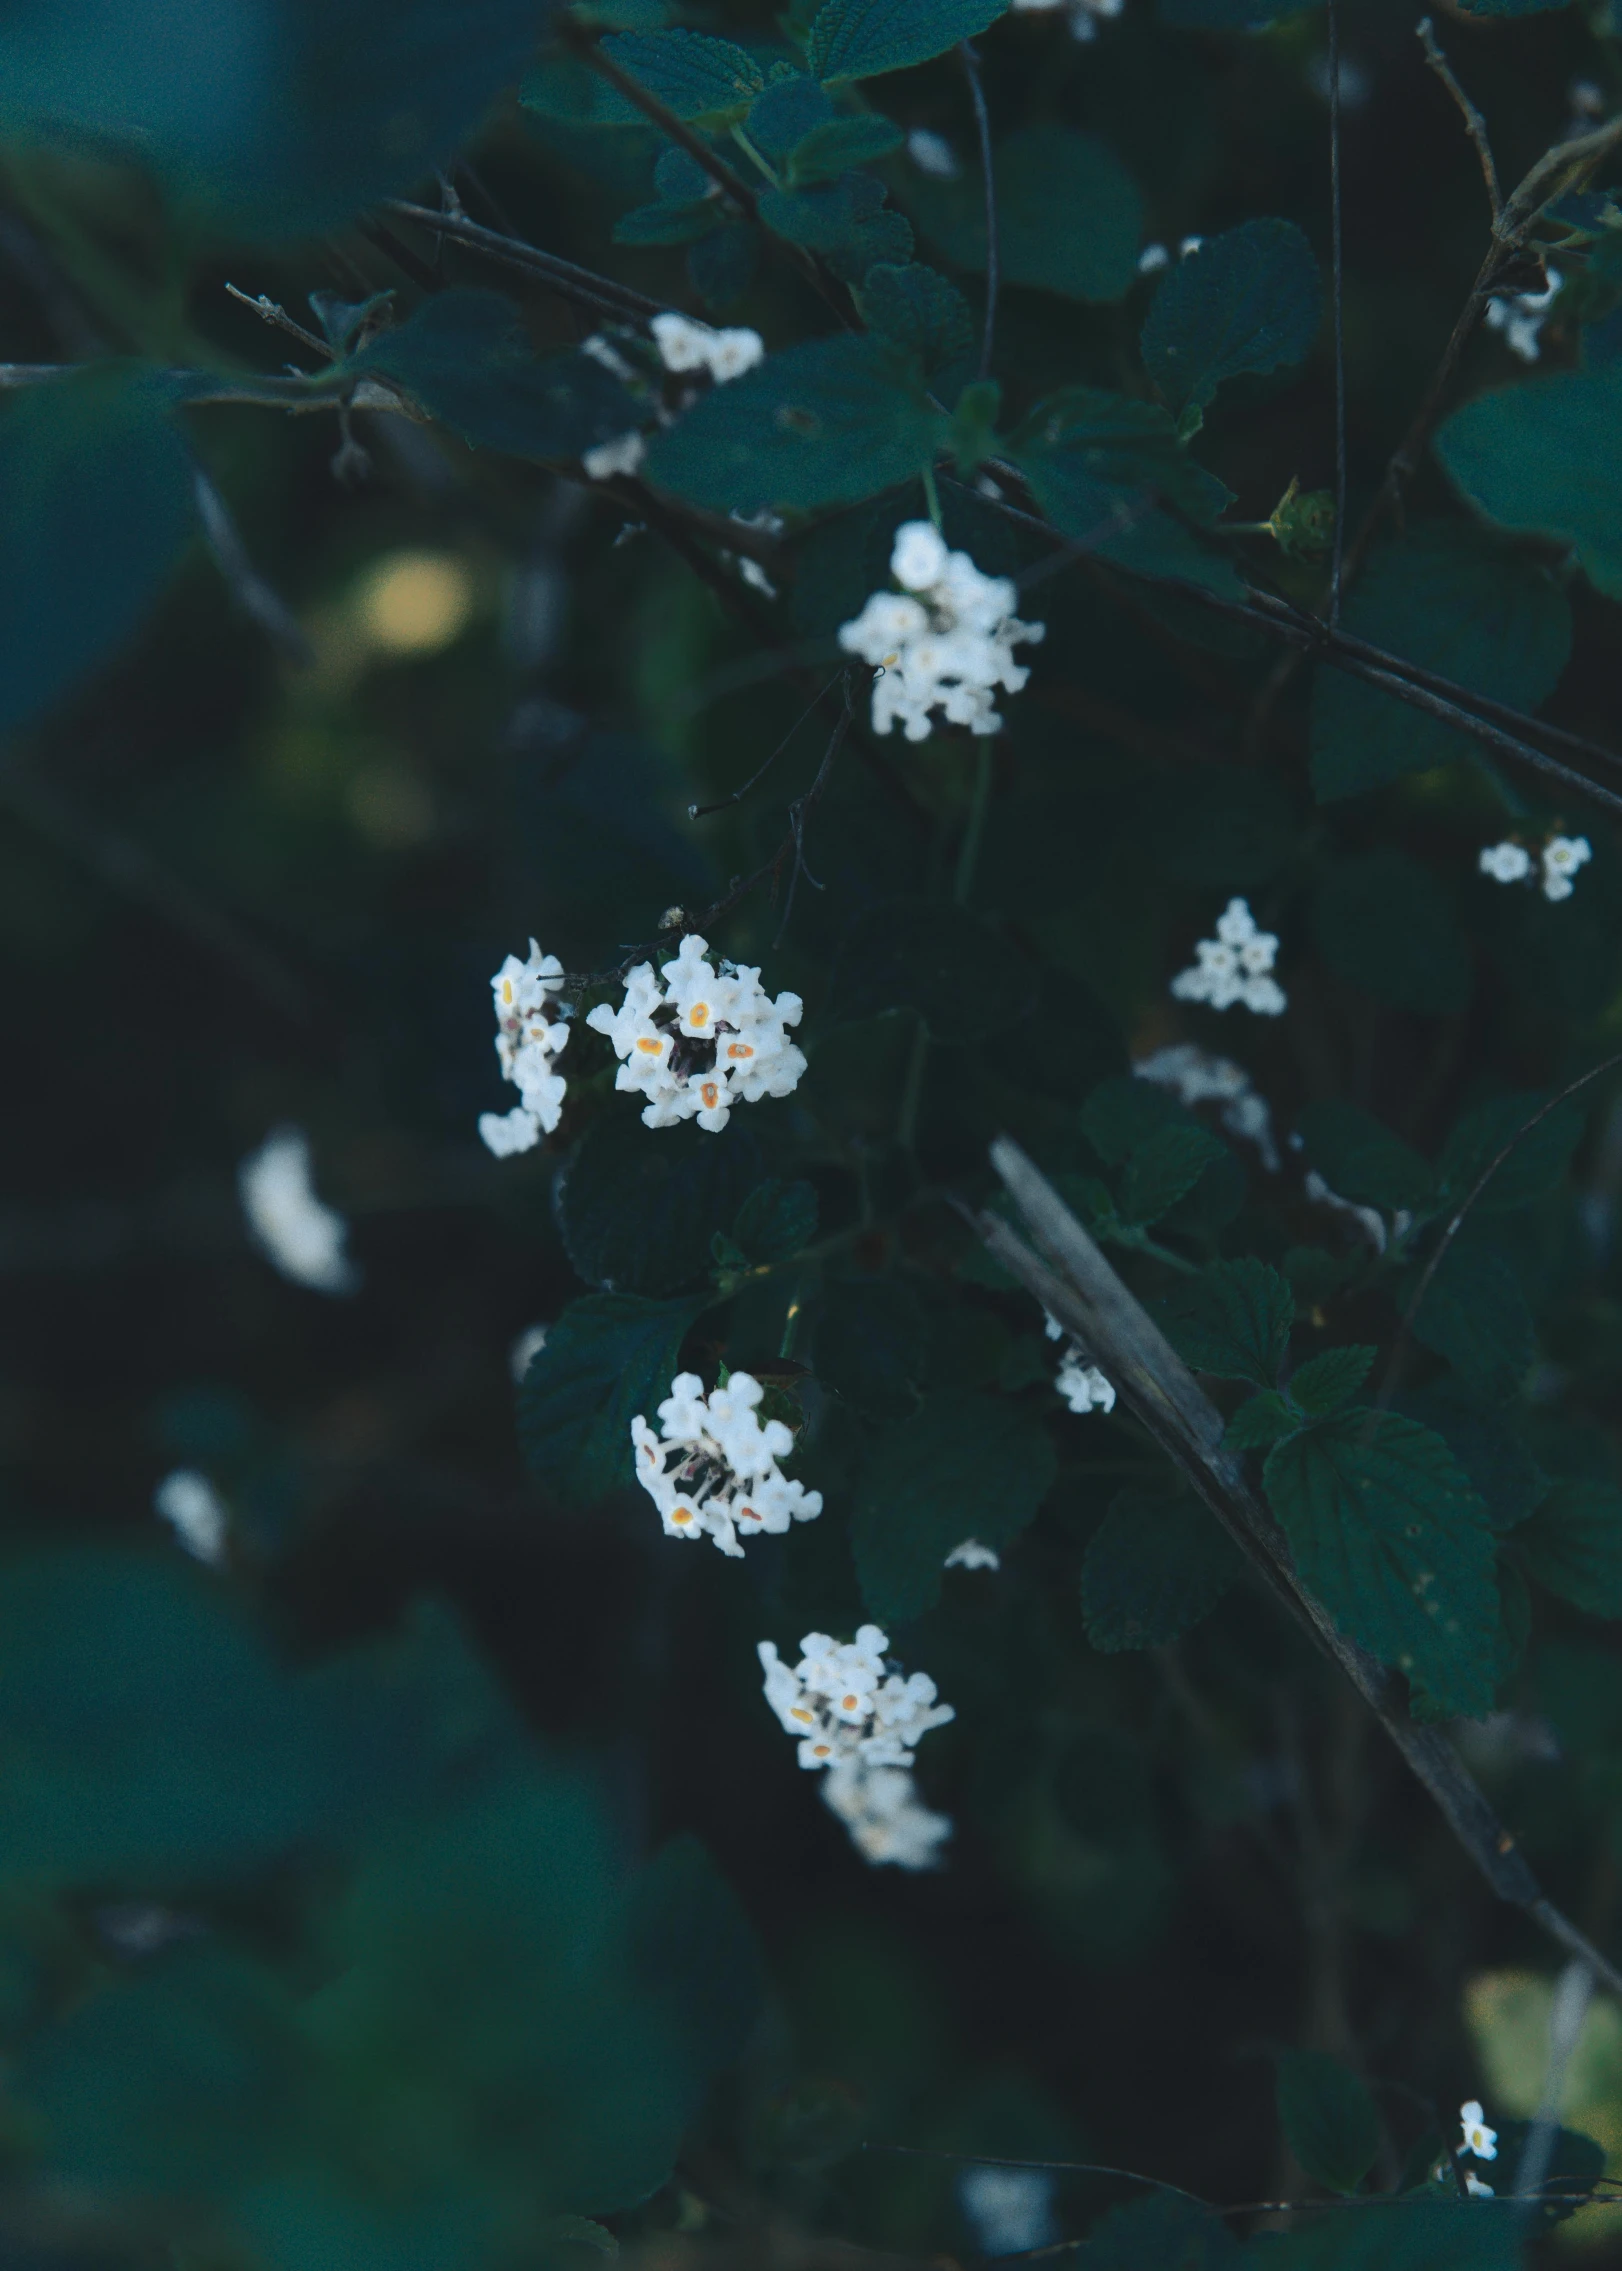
[
  {"x": 1163, "y": 1169},
  {"x": 1544, "y": 458},
  {"x": 1538, "y": 1155},
  {"x": 969, "y": 1466},
  {"x": 1328, "y": 2118},
  {"x": 1382, "y": 923},
  {"x": 776, "y": 1220},
  {"x": 608, "y": 1358},
  {"x": 1475, "y": 1314},
  {"x": 1155, "y": 1566},
  {"x": 1573, "y": 1545},
  {"x": 1360, "y": 1159},
  {"x": 1069, "y": 216},
  {"x": 638, "y": 1217},
  {"x": 1248, "y": 300},
  {"x": 960, "y": 974},
  {"x": 869, "y": 1345}
]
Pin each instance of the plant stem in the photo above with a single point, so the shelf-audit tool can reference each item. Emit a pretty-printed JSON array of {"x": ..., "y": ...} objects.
[
  {"x": 932, "y": 497},
  {"x": 750, "y": 152},
  {"x": 968, "y": 858}
]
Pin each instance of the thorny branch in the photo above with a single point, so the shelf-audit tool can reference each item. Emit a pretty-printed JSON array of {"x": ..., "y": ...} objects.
[
  {"x": 1474, "y": 124},
  {"x": 602, "y": 294},
  {"x": 1070, "y": 1277}
]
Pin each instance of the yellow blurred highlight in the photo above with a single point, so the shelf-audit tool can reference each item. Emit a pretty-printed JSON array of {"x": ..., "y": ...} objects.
[
  {"x": 413, "y": 603},
  {"x": 1507, "y": 2013}
]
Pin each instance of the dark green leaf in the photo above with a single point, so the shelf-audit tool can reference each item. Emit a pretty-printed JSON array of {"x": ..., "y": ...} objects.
[
  {"x": 839, "y": 143},
  {"x": 1573, "y": 1545},
  {"x": 1069, "y": 216},
  {"x": 1163, "y": 2231},
  {"x": 1399, "y": 2235},
  {"x": 1537, "y": 1161},
  {"x": 1328, "y": 2119},
  {"x": 1475, "y": 1314},
  {"x": 1476, "y": 612},
  {"x": 1360, "y": 1159},
  {"x": 706, "y": 81},
  {"x": 961, "y": 1467},
  {"x": 638, "y": 1217},
  {"x": 1489, "y": 1450},
  {"x": 1576, "y": 2163},
  {"x": 1163, "y": 1169},
  {"x": 95, "y": 511},
  {"x": 959, "y": 974},
  {"x": 722, "y": 265},
  {"x": 671, "y": 221},
  {"x": 843, "y": 216},
  {"x": 869, "y": 1345},
  {"x": 1248, "y": 300},
  {"x": 1123, "y": 1112},
  {"x": 1260, "y": 1422},
  {"x": 694, "y": 1952},
  {"x": 786, "y": 111},
  {"x": 606, "y": 1359},
  {"x": 465, "y": 357},
  {"x": 1229, "y": 830},
  {"x": 1086, "y": 433},
  {"x": 776, "y": 1220},
  {"x": 829, "y": 420},
  {"x": 1234, "y": 1320},
  {"x": 1387, "y": 1531},
  {"x": 922, "y": 314},
  {"x": 1331, "y": 1379},
  {"x": 1544, "y": 458},
  {"x": 859, "y": 39},
  {"x": 1155, "y": 1566},
  {"x": 1383, "y": 923}
]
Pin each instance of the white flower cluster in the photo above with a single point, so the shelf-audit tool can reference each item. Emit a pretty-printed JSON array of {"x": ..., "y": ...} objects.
[
  {"x": 297, "y": 1234},
  {"x": 1480, "y": 2141},
  {"x": 1520, "y": 316},
  {"x": 1084, "y": 16},
  {"x": 1558, "y": 862},
  {"x": 971, "y": 1554},
  {"x": 1194, "y": 1076},
  {"x": 1081, "y": 1384},
  {"x": 688, "y": 346},
  {"x": 1234, "y": 966},
  {"x": 701, "y": 1043},
  {"x": 860, "y": 1720},
  {"x": 945, "y": 641},
  {"x": 194, "y": 1510},
  {"x": 526, "y": 1042},
  {"x": 712, "y": 1468}
]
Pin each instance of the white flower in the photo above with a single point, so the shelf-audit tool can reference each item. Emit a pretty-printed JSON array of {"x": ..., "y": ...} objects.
[
  {"x": 604, "y": 352},
  {"x": 887, "y": 1821},
  {"x": 1520, "y": 316},
  {"x": 1234, "y": 966},
  {"x": 1474, "y": 2186},
  {"x": 622, "y": 455},
  {"x": 1152, "y": 258},
  {"x": 688, "y": 346},
  {"x": 1478, "y": 2138},
  {"x": 1009, "y": 2209},
  {"x": 932, "y": 154},
  {"x": 524, "y": 1351},
  {"x": 526, "y": 1042},
  {"x": 297, "y": 1234},
  {"x": 712, "y": 1468},
  {"x": 1189, "y": 245},
  {"x": 946, "y": 642},
  {"x": 860, "y": 1723},
  {"x": 1195, "y": 1076},
  {"x": 971, "y": 1554},
  {"x": 1507, "y": 862},
  {"x": 1562, "y": 857},
  {"x": 192, "y": 1507},
  {"x": 1370, "y": 1222},
  {"x": 1083, "y": 1387},
  {"x": 703, "y": 1042},
  {"x": 756, "y": 577}
]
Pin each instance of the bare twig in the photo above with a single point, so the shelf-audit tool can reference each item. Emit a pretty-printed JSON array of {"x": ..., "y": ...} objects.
[
  {"x": 583, "y": 285},
  {"x": 1338, "y": 278},
  {"x": 1070, "y": 1277},
  {"x": 272, "y": 312},
  {"x": 982, "y": 126},
  {"x": 1474, "y": 124}
]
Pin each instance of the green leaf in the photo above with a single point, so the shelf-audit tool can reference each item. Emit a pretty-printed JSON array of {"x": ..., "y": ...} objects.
[
  {"x": 1124, "y": 1111},
  {"x": 1400, "y": 2234},
  {"x": 921, "y": 314},
  {"x": 963, "y": 1466},
  {"x": 839, "y": 143},
  {"x": 1383, "y": 923},
  {"x": 608, "y": 1358},
  {"x": 1475, "y": 611},
  {"x": 961, "y": 976},
  {"x": 671, "y": 221},
  {"x": 1069, "y": 216},
  {"x": 1573, "y": 1545},
  {"x": 707, "y": 82},
  {"x": 1261, "y": 1421},
  {"x": 1475, "y": 1314},
  {"x": 1504, "y": 1472},
  {"x": 829, "y": 420},
  {"x": 1331, "y": 1379},
  {"x": 1233, "y": 1320},
  {"x": 837, "y": 216},
  {"x": 1163, "y": 1169},
  {"x": 466, "y": 358},
  {"x": 1248, "y": 300},
  {"x": 1536, "y": 1165},
  {"x": 1360, "y": 1159},
  {"x": 1328, "y": 2119},
  {"x": 1163, "y": 2231},
  {"x": 638, "y": 1217},
  {"x": 1386, "y": 1529},
  {"x": 859, "y": 39},
  {"x": 786, "y": 111},
  {"x": 95, "y": 511},
  {"x": 1545, "y": 458},
  {"x": 776, "y": 1220},
  {"x": 694, "y": 1952},
  {"x": 1156, "y": 1565},
  {"x": 869, "y": 1345}
]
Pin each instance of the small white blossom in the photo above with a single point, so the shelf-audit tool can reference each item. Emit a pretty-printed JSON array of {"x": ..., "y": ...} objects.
[
  {"x": 295, "y": 1232},
  {"x": 1520, "y": 316},
  {"x": 1474, "y": 2186},
  {"x": 712, "y": 1468},
  {"x": 855, "y": 1716},
  {"x": 971, "y": 1554},
  {"x": 527, "y": 1040},
  {"x": 1507, "y": 862},
  {"x": 1370, "y": 1222},
  {"x": 1478, "y": 2138},
  {"x": 1188, "y": 245},
  {"x": 1562, "y": 857},
  {"x": 524, "y": 1351},
  {"x": 932, "y": 154},
  {"x": 945, "y": 642},
  {"x": 688, "y": 346},
  {"x": 604, "y": 351},
  {"x": 1009, "y": 2209},
  {"x": 1234, "y": 966},
  {"x": 703, "y": 1042},
  {"x": 1083, "y": 1387},
  {"x": 1083, "y": 16},
  {"x": 1152, "y": 259},
  {"x": 623, "y": 455},
  {"x": 1195, "y": 1076},
  {"x": 193, "y": 1509},
  {"x": 755, "y": 576}
]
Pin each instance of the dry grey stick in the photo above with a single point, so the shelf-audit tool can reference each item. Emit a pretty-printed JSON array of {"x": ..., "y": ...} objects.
[
  {"x": 1070, "y": 1277},
  {"x": 1474, "y": 124}
]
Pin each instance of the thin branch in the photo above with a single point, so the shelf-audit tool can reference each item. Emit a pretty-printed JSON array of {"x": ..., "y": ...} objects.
[
  {"x": 1474, "y": 124},
  {"x": 982, "y": 124},
  {"x": 258, "y": 599},
  {"x": 583, "y": 285},
  {"x": 705, "y": 811},
  {"x": 1070, "y": 1277},
  {"x": 272, "y": 312},
  {"x": 1338, "y": 272}
]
